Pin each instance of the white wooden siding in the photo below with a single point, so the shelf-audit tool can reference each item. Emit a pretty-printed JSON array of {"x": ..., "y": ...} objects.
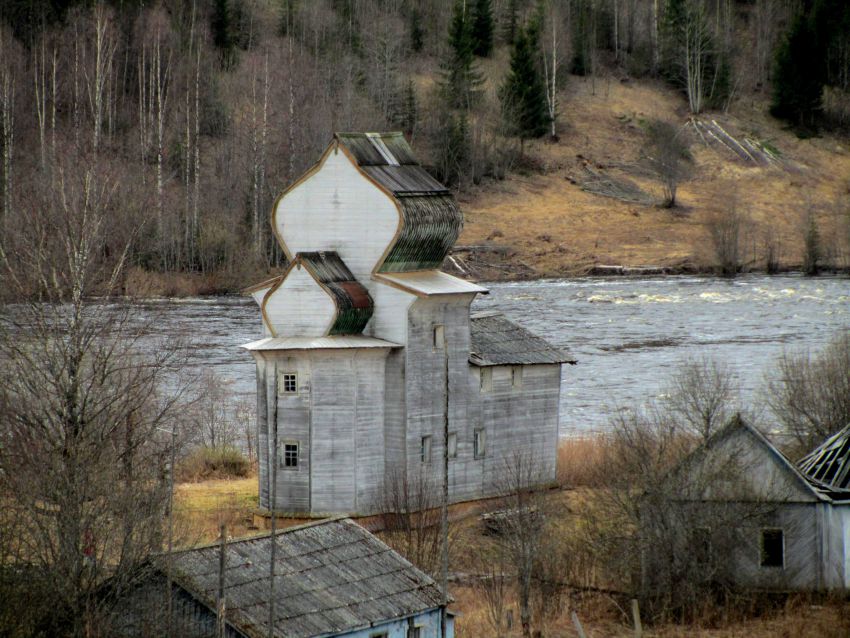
[
  {"x": 338, "y": 209},
  {"x": 299, "y": 307},
  {"x": 389, "y": 319}
]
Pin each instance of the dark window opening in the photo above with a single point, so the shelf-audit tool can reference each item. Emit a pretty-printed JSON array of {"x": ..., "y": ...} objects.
[
  {"x": 772, "y": 548},
  {"x": 289, "y": 383},
  {"x": 701, "y": 545},
  {"x": 290, "y": 455},
  {"x": 479, "y": 444}
]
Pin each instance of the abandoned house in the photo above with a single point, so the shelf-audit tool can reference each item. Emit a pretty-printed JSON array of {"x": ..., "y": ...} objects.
[
  {"x": 790, "y": 523},
  {"x": 369, "y": 348},
  {"x": 332, "y": 578}
]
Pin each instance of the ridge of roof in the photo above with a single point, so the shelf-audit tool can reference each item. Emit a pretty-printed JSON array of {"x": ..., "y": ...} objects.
[{"x": 738, "y": 423}]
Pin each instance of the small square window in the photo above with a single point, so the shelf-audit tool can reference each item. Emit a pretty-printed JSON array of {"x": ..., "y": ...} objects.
[
  {"x": 415, "y": 632},
  {"x": 486, "y": 379},
  {"x": 479, "y": 442},
  {"x": 425, "y": 449},
  {"x": 290, "y": 455},
  {"x": 382, "y": 634},
  {"x": 772, "y": 548},
  {"x": 452, "y": 445},
  {"x": 439, "y": 337},
  {"x": 288, "y": 383},
  {"x": 516, "y": 377}
]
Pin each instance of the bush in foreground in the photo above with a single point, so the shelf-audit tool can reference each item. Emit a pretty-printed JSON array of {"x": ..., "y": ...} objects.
[{"x": 205, "y": 463}]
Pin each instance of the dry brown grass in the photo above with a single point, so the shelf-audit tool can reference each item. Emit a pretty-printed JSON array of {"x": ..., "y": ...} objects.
[
  {"x": 200, "y": 508},
  {"x": 581, "y": 461},
  {"x": 603, "y": 130}
]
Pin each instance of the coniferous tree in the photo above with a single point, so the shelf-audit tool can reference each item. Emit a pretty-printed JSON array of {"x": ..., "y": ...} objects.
[
  {"x": 511, "y": 21},
  {"x": 223, "y": 32},
  {"x": 417, "y": 33},
  {"x": 523, "y": 95},
  {"x": 798, "y": 77},
  {"x": 461, "y": 80},
  {"x": 482, "y": 28}
]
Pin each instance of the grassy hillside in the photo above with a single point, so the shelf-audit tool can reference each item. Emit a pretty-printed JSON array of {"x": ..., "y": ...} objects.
[{"x": 542, "y": 223}]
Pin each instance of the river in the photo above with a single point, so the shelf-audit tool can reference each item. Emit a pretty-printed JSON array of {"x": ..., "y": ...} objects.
[{"x": 627, "y": 334}]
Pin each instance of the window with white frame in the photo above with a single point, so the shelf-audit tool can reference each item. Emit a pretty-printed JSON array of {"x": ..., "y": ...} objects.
[
  {"x": 415, "y": 632},
  {"x": 439, "y": 337},
  {"x": 452, "y": 445},
  {"x": 486, "y": 379},
  {"x": 288, "y": 383},
  {"x": 479, "y": 443},
  {"x": 516, "y": 377},
  {"x": 289, "y": 459},
  {"x": 772, "y": 547},
  {"x": 425, "y": 449}
]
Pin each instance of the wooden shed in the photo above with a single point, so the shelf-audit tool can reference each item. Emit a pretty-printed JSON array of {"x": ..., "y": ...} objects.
[
  {"x": 369, "y": 348},
  {"x": 791, "y": 522},
  {"x": 332, "y": 578}
]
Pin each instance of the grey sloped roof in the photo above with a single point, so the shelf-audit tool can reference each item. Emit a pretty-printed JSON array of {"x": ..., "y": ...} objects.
[
  {"x": 827, "y": 467},
  {"x": 331, "y": 577},
  {"x": 497, "y": 341}
]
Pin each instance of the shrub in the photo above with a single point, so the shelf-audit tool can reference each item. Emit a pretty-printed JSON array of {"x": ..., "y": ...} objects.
[{"x": 213, "y": 463}]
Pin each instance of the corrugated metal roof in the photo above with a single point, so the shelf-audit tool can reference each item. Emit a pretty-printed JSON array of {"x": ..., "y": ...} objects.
[
  {"x": 319, "y": 343},
  {"x": 353, "y": 303},
  {"x": 497, "y": 341},
  {"x": 331, "y": 577},
  {"x": 828, "y": 465},
  {"x": 430, "y": 282}
]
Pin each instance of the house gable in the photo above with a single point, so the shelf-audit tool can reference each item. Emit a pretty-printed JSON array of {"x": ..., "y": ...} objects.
[{"x": 740, "y": 464}]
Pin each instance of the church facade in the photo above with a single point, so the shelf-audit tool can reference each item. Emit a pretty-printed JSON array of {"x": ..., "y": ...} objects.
[{"x": 370, "y": 352}]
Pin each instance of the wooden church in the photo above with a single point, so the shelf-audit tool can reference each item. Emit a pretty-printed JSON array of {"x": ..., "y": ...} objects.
[{"x": 368, "y": 347}]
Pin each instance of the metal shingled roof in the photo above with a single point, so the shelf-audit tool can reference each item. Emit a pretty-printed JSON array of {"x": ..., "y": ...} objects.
[
  {"x": 331, "y": 577},
  {"x": 497, "y": 341},
  {"x": 432, "y": 220},
  {"x": 353, "y": 302}
]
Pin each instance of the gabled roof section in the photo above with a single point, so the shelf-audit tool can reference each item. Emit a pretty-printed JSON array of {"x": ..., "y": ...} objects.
[
  {"x": 496, "y": 341},
  {"x": 736, "y": 426},
  {"x": 353, "y": 302},
  {"x": 828, "y": 465},
  {"x": 426, "y": 283},
  {"x": 332, "y": 577},
  {"x": 431, "y": 220}
]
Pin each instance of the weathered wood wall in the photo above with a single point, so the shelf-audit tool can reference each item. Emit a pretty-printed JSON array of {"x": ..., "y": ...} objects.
[
  {"x": 299, "y": 307},
  {"x": 337, "y": 419},
  {"x": 337, "y": 209}
]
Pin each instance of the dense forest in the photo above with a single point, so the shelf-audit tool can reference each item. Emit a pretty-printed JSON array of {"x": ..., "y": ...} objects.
[{"x": 183, "y": 119}]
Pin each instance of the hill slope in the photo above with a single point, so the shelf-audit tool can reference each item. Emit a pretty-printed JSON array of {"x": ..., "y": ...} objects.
[{"x": 544, "y": 224}]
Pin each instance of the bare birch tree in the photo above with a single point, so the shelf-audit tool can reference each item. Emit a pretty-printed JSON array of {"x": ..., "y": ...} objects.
[
  {"x": 8, "y": 50},
  {"x": 81, "y": 402}
]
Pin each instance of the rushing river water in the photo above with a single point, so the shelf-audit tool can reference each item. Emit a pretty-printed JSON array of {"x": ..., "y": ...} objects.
[{"x": 627, "y": 334}]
